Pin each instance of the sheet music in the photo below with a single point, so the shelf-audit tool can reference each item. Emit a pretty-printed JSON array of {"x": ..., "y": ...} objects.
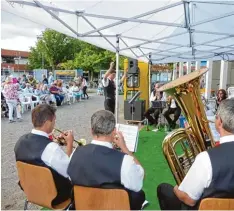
[{"x": 130, "y": 133}]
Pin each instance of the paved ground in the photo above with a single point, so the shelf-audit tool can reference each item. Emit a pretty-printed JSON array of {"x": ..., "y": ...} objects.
[{"x": 75, "y": 116}]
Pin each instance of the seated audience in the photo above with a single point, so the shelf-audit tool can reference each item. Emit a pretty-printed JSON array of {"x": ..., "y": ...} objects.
[
  {"x": 46, "y": 96},
  {"x": 221, "y": 95},
  {"x": 63, "y": 91},
  {"x": 37, "y": 149},
  {"x": 44, "y": 79},
  {"x": 173, "y": 108},
  {"x": 105, "y": 167},
  {"x": 31, "y": 80},
  {"x": 155, "y": 96},
  {"x": 76, "y": 91},
  {"x": 212, "y": 173},
  {"x": 56, "y": 92}
]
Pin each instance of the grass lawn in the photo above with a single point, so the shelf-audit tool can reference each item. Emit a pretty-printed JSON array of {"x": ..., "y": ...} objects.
[{"x": 151, "y": 157}]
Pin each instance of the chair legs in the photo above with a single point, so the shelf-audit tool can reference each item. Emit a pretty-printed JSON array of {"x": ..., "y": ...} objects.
[{"x": 26, "y": 204}]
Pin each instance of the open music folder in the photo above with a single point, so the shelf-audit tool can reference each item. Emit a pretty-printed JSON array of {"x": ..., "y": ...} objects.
[{"x": 130, "y": 133}]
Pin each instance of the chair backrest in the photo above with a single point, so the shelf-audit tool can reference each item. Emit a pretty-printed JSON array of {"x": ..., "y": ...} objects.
[
  {"x": 217, "y": 204},
  {"x": 37, "y": 183},
  {"x": 87, "y": 198}
]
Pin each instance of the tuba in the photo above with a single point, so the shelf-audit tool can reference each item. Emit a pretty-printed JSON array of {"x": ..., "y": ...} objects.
[{"x": 181, "y": 146}]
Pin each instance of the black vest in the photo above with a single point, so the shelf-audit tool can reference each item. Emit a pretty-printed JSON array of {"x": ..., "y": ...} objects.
[
  {"x": 109, "y": 91},
  {"x": 98, "y": 166},
  {"x": 222, "y": 184},
  {"x": 29, "y": 149},
  {"x": 222, "y": 161}
]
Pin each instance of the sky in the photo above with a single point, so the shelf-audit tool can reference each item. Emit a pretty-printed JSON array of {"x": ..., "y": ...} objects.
[{"x": 12, "y": 35}]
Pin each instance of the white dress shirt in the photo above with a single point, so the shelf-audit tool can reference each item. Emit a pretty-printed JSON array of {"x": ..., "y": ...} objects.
[
  {"x": 173, "y": 104},
  {"x": 105, "y": 82},
  {"x": 53, "y": 156},
  {"x": 199, "y": 175},
  {"x": 152, "y": 97},
  {"x": 132, "y": 175}
]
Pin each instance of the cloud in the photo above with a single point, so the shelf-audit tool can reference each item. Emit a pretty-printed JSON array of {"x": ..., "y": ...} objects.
[{"x": 18, "y": 33}]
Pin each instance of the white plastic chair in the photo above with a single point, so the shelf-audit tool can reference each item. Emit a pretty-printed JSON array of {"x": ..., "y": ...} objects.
[
  {"x": 230, "y": 92},
  {"x": 25, "y": 102},
  {"x": 72, "y": 97},
  {"x": 33, "y": 102}
]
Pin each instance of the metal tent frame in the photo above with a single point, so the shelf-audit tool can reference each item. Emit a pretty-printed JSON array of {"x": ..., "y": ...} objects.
[{"x": 142, "y": 50}]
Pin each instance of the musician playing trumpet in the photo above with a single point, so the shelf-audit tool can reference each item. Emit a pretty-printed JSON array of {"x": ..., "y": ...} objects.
[{"x": 37, "y": 149}]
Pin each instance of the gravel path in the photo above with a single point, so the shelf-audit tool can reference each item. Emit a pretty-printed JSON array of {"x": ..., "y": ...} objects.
[{"x": 75, "y": 117}]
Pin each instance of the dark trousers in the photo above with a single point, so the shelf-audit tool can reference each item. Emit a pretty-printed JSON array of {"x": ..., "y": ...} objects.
[
  {"x": 59, "y": 99},
  {"x": 136, "y": 199},
  {"x": 85, "y": 92},
  {"x": 167, "y": 199},
  {"x": 155, "y": 112},
  {"x": 176, "y": 111},
  {"x": 109, "y": 105}
]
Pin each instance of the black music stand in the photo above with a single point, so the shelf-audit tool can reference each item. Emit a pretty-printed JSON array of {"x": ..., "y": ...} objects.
[
  {"x": 132, "y": 101},
  {"x": 159, "y": 105}
]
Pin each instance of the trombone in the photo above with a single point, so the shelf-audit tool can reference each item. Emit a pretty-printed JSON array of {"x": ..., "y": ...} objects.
[{"x": 61, "y": 141}]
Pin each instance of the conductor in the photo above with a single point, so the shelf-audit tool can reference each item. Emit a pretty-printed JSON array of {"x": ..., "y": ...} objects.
[{"x": 109, "y": 87}]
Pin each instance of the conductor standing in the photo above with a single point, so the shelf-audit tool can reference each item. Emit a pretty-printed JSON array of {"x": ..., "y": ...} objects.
[{"x": 110, "y": 87}]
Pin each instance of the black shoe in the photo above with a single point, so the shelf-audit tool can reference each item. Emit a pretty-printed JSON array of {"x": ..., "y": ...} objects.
[{"x": 173, "y": 125}]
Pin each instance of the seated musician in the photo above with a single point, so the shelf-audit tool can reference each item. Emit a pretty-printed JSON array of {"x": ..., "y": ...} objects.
[
  {"x": 212, "y": 173},
  {"x": 155, "y": 96},
  {"x": 173, "y": 108},
  {"x": 37, "y": 149},
  {"x": 99, "y": 165}
]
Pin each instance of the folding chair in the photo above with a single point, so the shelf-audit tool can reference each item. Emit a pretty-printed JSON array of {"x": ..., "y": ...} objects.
[
  {"x": 217, "y": 204},
  {"x": 87, "y": 198},
  {"x": 38, "y": 185}
]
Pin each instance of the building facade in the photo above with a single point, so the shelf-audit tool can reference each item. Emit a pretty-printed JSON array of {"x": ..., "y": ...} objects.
[{"x": 14, "y": 62}]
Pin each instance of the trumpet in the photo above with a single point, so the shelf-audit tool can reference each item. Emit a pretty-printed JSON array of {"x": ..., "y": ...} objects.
[{"x": 61, "y": 141}]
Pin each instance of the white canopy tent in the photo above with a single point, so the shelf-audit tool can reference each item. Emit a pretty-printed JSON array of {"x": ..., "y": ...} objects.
[{"x": 157, "y": 31}]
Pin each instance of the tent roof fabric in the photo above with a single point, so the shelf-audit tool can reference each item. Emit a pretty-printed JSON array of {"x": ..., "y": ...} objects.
[{"x": 162, "y": 31}]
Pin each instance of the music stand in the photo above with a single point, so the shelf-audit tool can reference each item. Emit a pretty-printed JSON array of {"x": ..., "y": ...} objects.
[{"x": 132, "y": 101}]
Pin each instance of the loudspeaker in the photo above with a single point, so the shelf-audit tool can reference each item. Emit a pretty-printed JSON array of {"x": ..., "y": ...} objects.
[
  {"x": 138, "y": 110},
  {"x": 133, "y": 66}
]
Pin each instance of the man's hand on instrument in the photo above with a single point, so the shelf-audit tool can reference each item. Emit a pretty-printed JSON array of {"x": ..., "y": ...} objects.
[
  {"x": 69, "y": 137},
  {"x": 112, "y": 65}
]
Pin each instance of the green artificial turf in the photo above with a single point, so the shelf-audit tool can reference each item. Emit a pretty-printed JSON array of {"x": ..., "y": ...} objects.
[{"x": 150, "y": 155}]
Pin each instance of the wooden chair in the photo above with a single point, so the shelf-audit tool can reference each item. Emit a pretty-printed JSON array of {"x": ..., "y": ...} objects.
[
  {"x": 217, "y": 204},
  {"x": 38, "y": 185},
  {"x": 100, "y": 199}
]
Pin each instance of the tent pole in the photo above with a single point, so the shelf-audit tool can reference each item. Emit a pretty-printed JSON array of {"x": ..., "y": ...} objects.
[
  {"x": 150, "y": 63},
  {"x": 117, "y": 81}
]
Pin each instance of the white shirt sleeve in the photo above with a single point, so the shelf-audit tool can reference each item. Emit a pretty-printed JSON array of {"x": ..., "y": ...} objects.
[
  {"x": 132, "y": 175},
  {"x": 152, "y": 97},
  {"x": 198, "y": 177},
  {"x": 54, "y": 157},
  {"x": 105, "y": 82}
]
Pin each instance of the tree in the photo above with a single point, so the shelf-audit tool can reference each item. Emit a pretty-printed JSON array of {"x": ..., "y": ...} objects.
[
  {"x": 36, "y": 59},
  {"x": 62, "y": 52},
  {"x": 55, "y": 47}
]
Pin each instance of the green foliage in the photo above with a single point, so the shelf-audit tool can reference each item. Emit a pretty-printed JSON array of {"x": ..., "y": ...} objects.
[{"x": 62, "y": 52}]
